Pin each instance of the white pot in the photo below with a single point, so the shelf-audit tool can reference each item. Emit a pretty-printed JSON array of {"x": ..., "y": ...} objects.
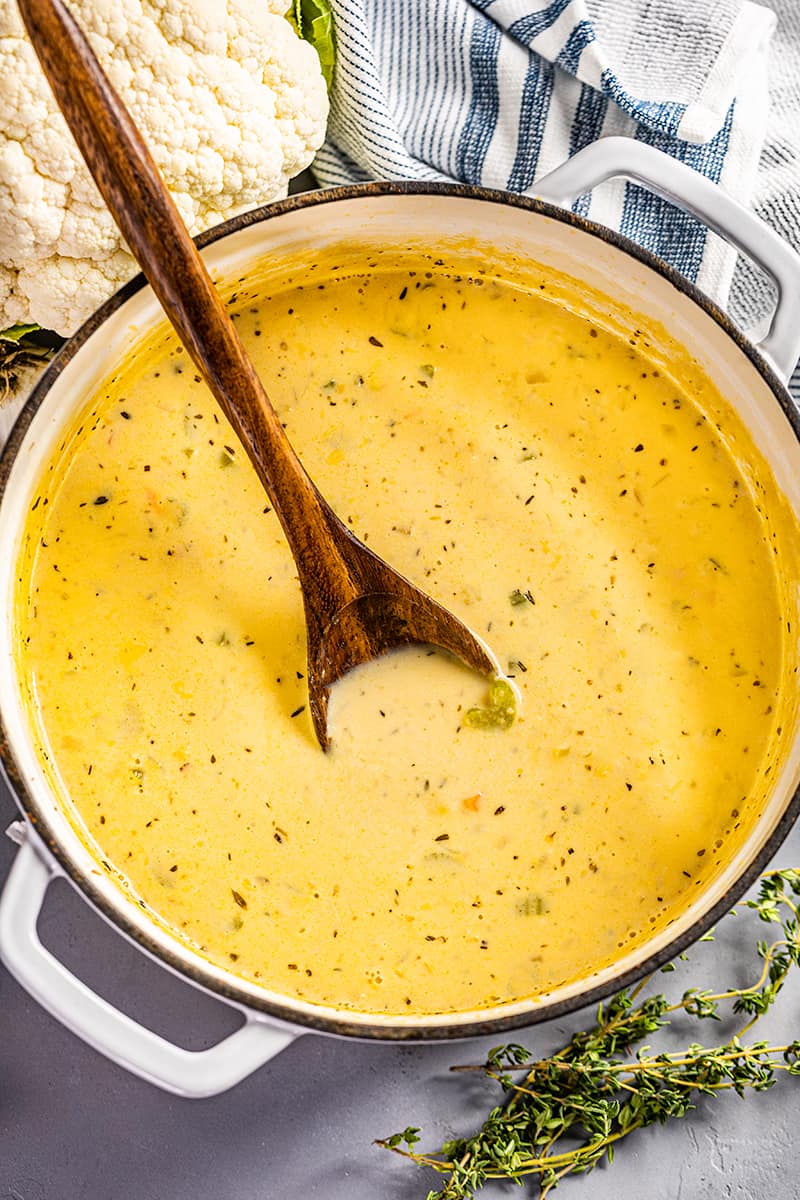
[{"x": 751, "y": 379}]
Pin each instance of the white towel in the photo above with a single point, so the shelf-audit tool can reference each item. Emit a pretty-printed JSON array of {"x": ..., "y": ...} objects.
[{"x": 498, "y": 92}]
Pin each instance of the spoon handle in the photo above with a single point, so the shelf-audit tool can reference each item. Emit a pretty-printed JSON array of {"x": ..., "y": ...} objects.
[
  {"x": 137, "y": 197},
  {"x": 357, "y": 606}
]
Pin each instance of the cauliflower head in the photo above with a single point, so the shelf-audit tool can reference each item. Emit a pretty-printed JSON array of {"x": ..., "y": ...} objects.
[{"x": 231, "y": 102}]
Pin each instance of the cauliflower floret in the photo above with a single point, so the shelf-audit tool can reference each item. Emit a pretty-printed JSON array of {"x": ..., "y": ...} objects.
[
  {"x": 230, "y": 101},
  {"x": 12, "y": 306}
]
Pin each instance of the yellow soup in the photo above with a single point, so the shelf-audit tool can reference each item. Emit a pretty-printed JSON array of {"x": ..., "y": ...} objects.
[{"x": 574, "y": 489}]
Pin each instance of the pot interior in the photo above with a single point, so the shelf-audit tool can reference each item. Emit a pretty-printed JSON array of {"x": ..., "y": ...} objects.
[{"x": 387, "y": 217}]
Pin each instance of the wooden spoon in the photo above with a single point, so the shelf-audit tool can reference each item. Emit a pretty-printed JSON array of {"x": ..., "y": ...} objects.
[{"x": 357, "y": 607}]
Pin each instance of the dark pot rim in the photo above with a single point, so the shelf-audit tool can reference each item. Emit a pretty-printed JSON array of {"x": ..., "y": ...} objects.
[{"x": 425, "y": 1028}]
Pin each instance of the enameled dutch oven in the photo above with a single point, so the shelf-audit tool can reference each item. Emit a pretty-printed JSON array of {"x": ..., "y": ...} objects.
[{"x": 752, "y": 380}]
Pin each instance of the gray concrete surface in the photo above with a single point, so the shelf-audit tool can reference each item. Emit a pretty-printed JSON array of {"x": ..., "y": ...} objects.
[{"x": 75, "y": 1127}]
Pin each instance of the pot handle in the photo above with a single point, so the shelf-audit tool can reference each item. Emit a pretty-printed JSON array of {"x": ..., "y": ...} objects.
[
  {"x": 611, "y": 157},
  {"x": 190, "y": 1073}
]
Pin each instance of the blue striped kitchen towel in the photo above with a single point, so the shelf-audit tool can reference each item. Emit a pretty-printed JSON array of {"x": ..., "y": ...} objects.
[{"x": 498, "y": 92}]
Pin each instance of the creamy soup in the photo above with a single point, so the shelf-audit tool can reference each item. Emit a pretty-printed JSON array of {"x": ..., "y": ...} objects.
[{"x": 566, "y": 482}]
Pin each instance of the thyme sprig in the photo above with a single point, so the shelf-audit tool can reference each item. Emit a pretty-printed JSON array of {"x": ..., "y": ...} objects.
[
  {"x": 568, "y": 1112},
  {"x": 23, "y": 347}
]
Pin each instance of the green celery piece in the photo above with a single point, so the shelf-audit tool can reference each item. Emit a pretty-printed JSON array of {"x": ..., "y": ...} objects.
[{"x": 500, "y": 711}]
